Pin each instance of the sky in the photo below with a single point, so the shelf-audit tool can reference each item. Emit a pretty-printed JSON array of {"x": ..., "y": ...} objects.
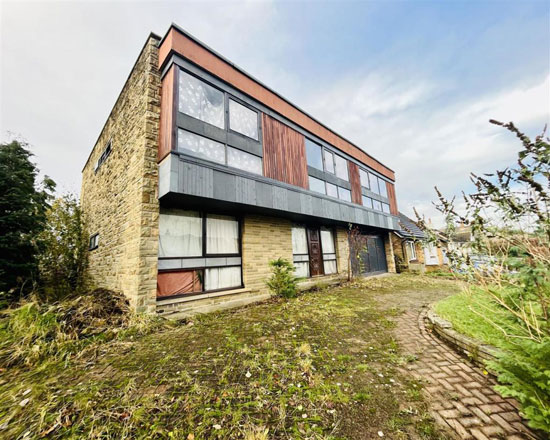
[{"x": 413, "y": 83}]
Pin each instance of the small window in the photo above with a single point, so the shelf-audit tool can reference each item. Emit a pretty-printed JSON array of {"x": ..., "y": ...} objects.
[
  {"x": 243, "y": 120},
  {"x": 314, "y": 155},
  {"x": 367, "y": 202},
  {"x": 411, "y": 250},
  {"x": 364, "y": 176},
  {"x": 317, "y": 185},
  {"x": 385, "y": 208},
  {"x": 200, "y": 100},
  {"x": 106, "y": 153},
  {"x": 329, "y": 161},
  {"x": 94, "y": 242},
  {"x": 244, "y": 161},
  {"x": 332, "y": 190},
  {"x": 341, "y": 166},
  {"x": 377, "y": 205},
  {"x": 202, "y": 147},
  {"x": 382, "y": 186},
  {"x": 344, "y": 194}
]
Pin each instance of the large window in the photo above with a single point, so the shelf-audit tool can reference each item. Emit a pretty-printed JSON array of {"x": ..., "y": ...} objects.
[
  {"x": 341, "y": 166},
  {"x": 200, "y": 100},
  {"x": 300, "y": 251},
  {"x": 203, "y": 249},
  {"x": 204, "y": 148},
  {"x": 329, "y": 253},
  {"x": 243, "y": 120},
  {"x": 314, "y": 155}
]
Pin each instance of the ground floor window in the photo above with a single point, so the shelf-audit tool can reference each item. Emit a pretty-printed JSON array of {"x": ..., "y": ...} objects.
[
  {"x": 314, "y": 251},
  {"x": 198, "y": 252},
  {"x": 430, "y": 255},
  {"x": 411, "y": 250}
]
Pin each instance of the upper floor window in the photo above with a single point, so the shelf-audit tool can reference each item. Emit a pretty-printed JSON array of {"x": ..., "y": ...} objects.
[
  {"x": 314, "y": 155},
  {"x": 377, "y": 205},
  {"x": 329, "y": 161},
  {"x": 364, "y": 176},
  {"x": 385, "y": 208},
  {"x": 104, "y": 155},
  {"x": 332, "y": 190},
  {"x": 344, "y": 194},
  {"x": 367, "y": 202},
  {"x": 200, "y": 100},
  {"x": 317, "y": 185},
  {"x": 94, "y": 242},
  {"x": 243, "y": 120},
  {"x": 204, "y": 148},
  {"x": 382, "y": 186},
  {"x": 341, "y": 166},
  {"x": 377, "y": 185}
]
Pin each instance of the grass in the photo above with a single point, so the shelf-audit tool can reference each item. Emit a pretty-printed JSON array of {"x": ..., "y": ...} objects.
[
  {"x": 319, "y": 366},
  {"x": 475, "y": 314}
]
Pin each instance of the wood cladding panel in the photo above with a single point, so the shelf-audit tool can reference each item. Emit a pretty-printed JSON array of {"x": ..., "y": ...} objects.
[
  {"x": 176, "y": 41},
  {"x": 168, "y": 113},
  {"x": 355, "y": 182},
  {"x": 284, "y": 153},
  {"x": 393, "y": 200}
]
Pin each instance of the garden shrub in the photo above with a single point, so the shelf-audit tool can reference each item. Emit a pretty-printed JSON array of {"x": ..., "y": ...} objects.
[{"x": 282, "y": 281}]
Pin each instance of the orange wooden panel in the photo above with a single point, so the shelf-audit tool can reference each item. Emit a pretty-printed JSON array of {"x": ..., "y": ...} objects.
[
  {"x": 176, "y": 283},
  {"x": 168, "y": 113},
  {"x": 284, "y": 153},
  {"x": 355, "y": 181},
  {"x": 175, "y": 41},
  {"x": 393, "y": 200}
]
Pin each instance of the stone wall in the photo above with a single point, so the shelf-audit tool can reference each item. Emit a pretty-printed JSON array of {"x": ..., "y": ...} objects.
[
  {"x": 119, "y": 200},
  {"x": 342, "y": 250},
  {"x": 390, "y": 258}
]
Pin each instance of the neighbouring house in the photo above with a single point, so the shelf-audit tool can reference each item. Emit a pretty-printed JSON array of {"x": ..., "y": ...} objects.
[
  {"x": 413, "y": 252},
  {"x": 202, "y": 175}
]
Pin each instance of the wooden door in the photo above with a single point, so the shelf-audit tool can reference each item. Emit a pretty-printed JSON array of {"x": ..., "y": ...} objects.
[{"x": 315, "y": 253}]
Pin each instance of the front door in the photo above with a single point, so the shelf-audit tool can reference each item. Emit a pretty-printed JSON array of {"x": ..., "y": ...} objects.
[{"x": 315, "y": 253}]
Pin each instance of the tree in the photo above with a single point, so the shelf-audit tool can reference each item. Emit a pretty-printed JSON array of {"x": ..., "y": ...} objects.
[
  {"x": 63, "y": 245},
  {"x": 23, "y": 205},
  {"x": 509, "y": 215}
]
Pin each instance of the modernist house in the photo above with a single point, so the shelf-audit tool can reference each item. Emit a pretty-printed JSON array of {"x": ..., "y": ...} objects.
[
  {"x": 411, "y": 250},
  {"x": 202, "y": 175}
]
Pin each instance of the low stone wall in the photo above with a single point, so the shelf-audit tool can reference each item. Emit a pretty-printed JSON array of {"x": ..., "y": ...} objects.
[{"x": 474, "y": 349}]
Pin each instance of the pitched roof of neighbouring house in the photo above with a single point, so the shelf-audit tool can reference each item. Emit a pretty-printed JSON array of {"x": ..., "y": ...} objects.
[{"x": 409, "y": 229}]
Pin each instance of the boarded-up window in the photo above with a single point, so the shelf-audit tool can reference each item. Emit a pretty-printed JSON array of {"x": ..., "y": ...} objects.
[{"x": 180, "y": 282}]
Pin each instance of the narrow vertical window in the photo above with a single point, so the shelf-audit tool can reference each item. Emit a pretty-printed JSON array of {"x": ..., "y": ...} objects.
[
  {"x": 364, "y": 176},
  {"x": 314, "y": 155},
  {"x": 94, "y": 242},
  {"x": 222, "y": 235},
  {"x": 329, "y": 252},
  {"x": 300, "y": 252},
  {"x": 329, "y": 161},
  {"x": 382, "y": 187},
  {"x": 341, "y": 166}
]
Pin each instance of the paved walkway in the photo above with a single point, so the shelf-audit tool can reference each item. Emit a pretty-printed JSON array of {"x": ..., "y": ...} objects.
[{"x": 461, "y": 397}]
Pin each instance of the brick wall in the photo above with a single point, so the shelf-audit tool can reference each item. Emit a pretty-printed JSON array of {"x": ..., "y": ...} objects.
[
  {"x": 120, "y": 201},
  {"x": 264, "y": 239}
]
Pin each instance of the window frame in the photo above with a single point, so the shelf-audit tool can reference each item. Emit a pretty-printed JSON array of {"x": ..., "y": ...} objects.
[
  {"x": 203, "y": 215},
  {"x": 104, "y": 155},
  {"x": 325, "y": 152},
  {"x": 228, "y": 98},
  {"x": 94, "y": 238},
  {"x": 411, "y": 251},
  {"x": 321, "y": 149}
]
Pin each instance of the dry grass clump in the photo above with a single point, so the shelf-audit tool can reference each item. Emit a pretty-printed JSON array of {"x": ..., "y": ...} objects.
[{"x": 34, "y": 331}]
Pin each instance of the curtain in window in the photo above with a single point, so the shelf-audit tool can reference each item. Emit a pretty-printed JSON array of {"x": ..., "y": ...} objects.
[
  {"x": 302, "y": 269},
  {"x": 200, "y": 100},
  {"x": 180, "y": 235},
  {"x": 199, "y": 146},
  {"x": 300, "y": 251},
  {"x": 222, "y": 235},
  {"x": 329, "y": 253},
  {"x": 243, "y": 120},
  {"x": 222, "y": 278}
]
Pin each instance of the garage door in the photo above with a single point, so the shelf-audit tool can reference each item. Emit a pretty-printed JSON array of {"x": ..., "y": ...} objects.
[{"x": 369, "y": 256}]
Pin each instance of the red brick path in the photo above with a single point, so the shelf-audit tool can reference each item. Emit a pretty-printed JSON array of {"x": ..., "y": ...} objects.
[{"x": 461, "y": 397}]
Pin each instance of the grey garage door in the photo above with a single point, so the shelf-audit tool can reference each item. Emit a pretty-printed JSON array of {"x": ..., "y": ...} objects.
[{"x": 369, "y": 255}]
